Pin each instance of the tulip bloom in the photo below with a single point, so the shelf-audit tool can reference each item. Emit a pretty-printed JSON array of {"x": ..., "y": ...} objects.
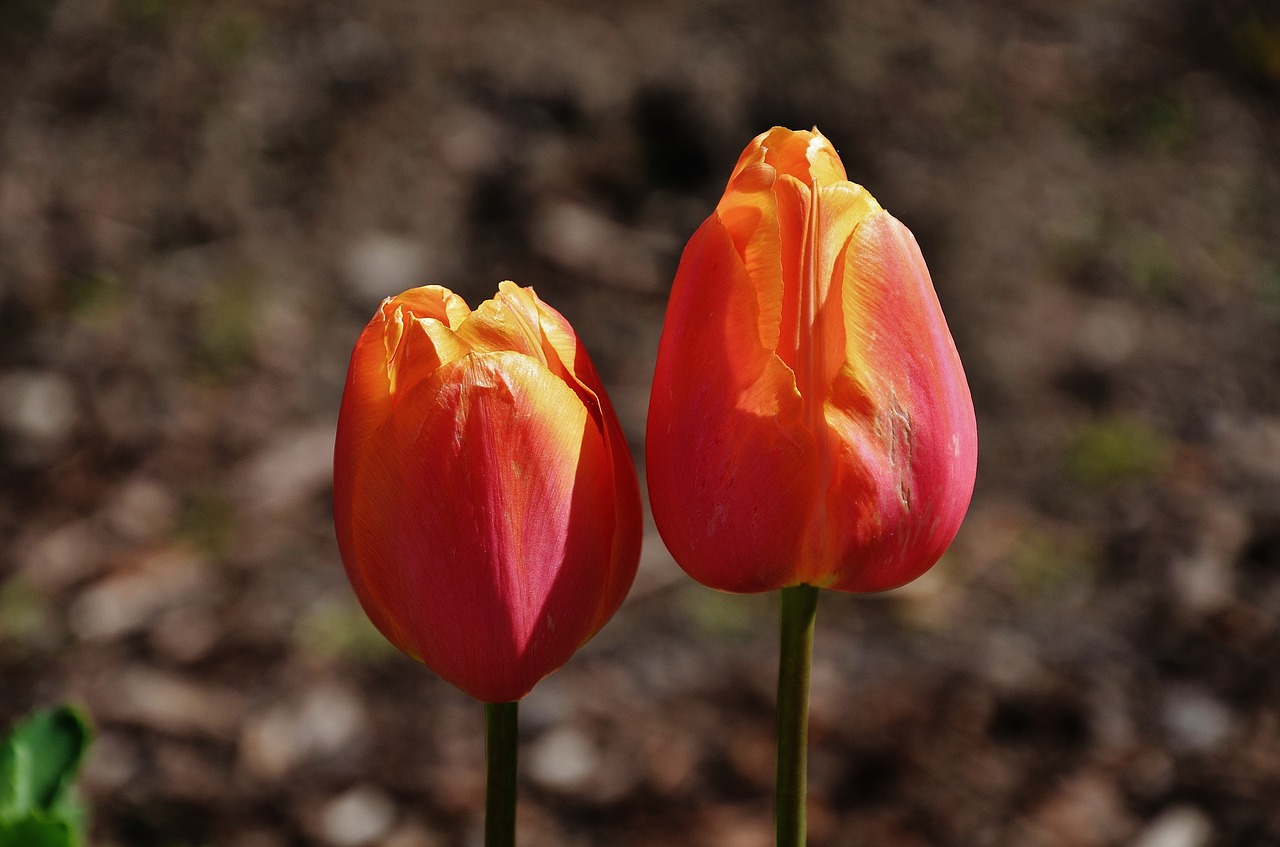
[
  {"x": 810, "y": 421},
  {"x": 485, "y": 500}
]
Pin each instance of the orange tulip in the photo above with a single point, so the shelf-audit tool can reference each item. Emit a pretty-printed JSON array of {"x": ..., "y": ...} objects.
[
  {"x": 485, "y": 500},
  {"x": 810, "y": 421}
]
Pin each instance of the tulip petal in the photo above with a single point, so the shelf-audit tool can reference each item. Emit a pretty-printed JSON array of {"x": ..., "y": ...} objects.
[
  {"x": 507, "y": 322},
  {"x": 408, "y": 338},
  {"x": 731, "y": 467},
  {"x": 518, "y": 320},
  {"x": 490, "y": 477},
  {"x": 807, "y": 156},
  {"x": 434, "y": 301},
  {"x": 410, "y": 355},
  {"x": 404, "y": 342},
  {"x": 366, "y": 403},
  {"x": 749, "y": 214},
  {"x": 564, "y": 350},
  {"x": 900, "y": 411}
]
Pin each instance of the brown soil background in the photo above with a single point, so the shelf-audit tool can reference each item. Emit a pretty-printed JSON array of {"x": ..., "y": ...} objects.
[{"x": 201, "y": 203}]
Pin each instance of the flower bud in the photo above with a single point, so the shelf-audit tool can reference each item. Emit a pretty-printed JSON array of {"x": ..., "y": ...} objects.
[
  {"x": 810, "y": 420},
  {"x": 485, "y": 500}
]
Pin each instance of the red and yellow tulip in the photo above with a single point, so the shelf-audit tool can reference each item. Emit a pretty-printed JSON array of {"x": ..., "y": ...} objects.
[
  {"x": 810, "y": 422},
  {"x": 485, "y": 500}
]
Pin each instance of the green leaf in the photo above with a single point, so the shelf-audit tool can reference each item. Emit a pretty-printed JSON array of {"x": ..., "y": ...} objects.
[
  {"x": 15, "y": 780},
  {"x": 40, "y": 758},
  {"x": 37, "y": 831},
  {"x": 69, "y": 808}
]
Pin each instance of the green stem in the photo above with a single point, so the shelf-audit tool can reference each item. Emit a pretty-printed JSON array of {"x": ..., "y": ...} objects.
[
  {"x": 799, "y": 609},
  {"x": 500, "y": 785}
]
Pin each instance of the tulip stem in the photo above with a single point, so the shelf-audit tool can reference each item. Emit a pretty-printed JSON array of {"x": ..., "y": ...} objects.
[
  {"x": 500, "y": 786},
  {"x": 799, "y": 610}
]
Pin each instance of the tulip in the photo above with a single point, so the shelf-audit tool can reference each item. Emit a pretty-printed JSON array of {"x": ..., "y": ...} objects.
[
  {"x": 810, "y": 423},
  {"x": 485, "y": 500}
]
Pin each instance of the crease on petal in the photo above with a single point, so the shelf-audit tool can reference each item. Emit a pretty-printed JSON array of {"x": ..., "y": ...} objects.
[
  {"x": 789, "y": 152},
  {"x": 433, "y": 301},
  {"x": 791, "y": 196},
  {"x": 507, "y": 322},
  {"x": 749, "y": 214},
  {"x": 566, "y": 357},
  {"x": 425, "y": 344},
  {"x": 825, "y": 166},
  {"x": 805, "y": 155},
  {"x": 403, "y": 320}
]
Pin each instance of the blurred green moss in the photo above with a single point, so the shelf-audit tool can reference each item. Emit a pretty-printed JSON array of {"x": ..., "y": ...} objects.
[
  {"x": 25, "y": 13},
  {"x": 229, "y": 36},
  {"x": 1165, "y": 123},
  {"x": 1256, "y": 47},
  {"x": 1161, "y": 122},
  {"x": 726, "y": 616},
  {"x": 93, "y": 297},
  {"x": 1075, "y": 239},
  {"x": 226, "y": 321},
  {"x": 981, "y": 115},
  {"x": 340, "y": 630},
  {"x": 24, "y": 610},
  {"x": 1045, "y": 564},
  {"x": 148, "y": 13},
  {"x": 1108, "y": 452},
  {"x": 1269, "y": 284},
  {"x": 206, "y": 521},
  {"x": 1150, "y": 262}
]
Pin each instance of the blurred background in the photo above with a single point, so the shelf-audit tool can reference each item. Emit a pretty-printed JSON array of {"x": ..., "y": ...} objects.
[{"x": 201, "y": 203}]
